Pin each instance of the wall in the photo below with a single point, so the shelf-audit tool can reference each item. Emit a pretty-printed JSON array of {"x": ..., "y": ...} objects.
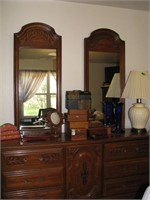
[
  {"x": 148, "y": 54},
  {"x": 96, "y": 79},
  {"x": 73, "y": 22}
]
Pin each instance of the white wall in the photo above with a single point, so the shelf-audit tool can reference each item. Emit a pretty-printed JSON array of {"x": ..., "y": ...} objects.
[{"x": 73, "y": 22}]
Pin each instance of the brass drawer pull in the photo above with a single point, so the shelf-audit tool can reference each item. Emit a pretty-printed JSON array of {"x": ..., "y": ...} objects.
[
  {"x": 125, "y": 150},
  {"x": 41, "y": 158},
  {"x": 26, "y": 181},
  {"x": 25, "y": 160}
]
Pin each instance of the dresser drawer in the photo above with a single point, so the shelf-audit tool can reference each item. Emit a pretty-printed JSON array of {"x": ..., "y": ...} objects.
[
  {"x": 23, "y": 159},
  {"x": 123, "y": 150},
  {"x": 39, "y": 193},
  {"x": 126, "y": 168},
  {"x": 33, "y": 179},
  {"x": 124, "y": 185}
]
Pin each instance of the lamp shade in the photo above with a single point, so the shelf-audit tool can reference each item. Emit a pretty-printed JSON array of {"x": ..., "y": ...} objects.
[
  {"x": 114, "y": 88},
  {"x": 137, "y": 85},
  {"x": 114, "y": 92}
]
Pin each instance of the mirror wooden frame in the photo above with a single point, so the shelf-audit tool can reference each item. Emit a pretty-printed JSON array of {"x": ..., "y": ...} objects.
[
  {"x": 36, "y": 35},
  {"x": 105, "y": 40}
]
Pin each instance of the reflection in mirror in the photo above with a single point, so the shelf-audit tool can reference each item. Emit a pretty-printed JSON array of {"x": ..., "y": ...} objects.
[
  {"x": 37, "y": 81},
  {"x": 37, "y": 70},
  {"x": 102, "y": 67},
  {"x": 104, "y": 54}
]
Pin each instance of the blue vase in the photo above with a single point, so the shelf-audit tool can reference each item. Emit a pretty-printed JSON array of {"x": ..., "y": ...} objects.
[
  {"x": 118, "y": 118},
  {"x": 108, "y": 113}
]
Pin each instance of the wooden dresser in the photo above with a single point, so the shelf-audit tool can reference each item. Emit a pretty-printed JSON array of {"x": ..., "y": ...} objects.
[{"x": 114, "y": 167}]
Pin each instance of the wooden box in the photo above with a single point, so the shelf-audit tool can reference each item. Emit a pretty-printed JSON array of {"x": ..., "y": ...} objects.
[
  {"x": 78, "y": 112},
  {"x": 79, "y": 125},
  {"x": 97, "y": 133},
  {"x": 77, "y": 118},
  {"x": 78, "y": 134}
]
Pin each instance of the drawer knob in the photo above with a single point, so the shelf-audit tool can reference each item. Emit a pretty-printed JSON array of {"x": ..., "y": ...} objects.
[
  {"x": 137, "y": 149},
  {"x": 124, "y": 150},
  {"x": 26, "y": 181},
  {"x": 41, "y": 158},
  {"x": 25, "y": 160}
]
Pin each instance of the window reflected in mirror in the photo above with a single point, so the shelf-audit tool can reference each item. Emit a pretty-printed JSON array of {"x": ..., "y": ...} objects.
[{"x": 37, "y": 81}]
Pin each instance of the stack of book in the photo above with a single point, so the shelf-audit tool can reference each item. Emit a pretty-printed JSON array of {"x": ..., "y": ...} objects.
[{"x": 9, "y": 132}]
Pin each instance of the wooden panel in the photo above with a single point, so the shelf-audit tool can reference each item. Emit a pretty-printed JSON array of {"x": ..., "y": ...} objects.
[{"x": 84, "y": 172}]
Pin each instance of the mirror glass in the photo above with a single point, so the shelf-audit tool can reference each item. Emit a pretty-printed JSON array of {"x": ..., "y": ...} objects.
[
  {"x": 104, "y": 54},
  {"x": 55, "y": 118},
  {"x": 37, "y": 68},
  {"x": 102, "y": 67}
]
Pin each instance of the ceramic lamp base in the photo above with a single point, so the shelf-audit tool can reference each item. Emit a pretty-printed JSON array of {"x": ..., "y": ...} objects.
[
  {"x": 134, "y": 130},
  {"x": 139, "y": 115}
]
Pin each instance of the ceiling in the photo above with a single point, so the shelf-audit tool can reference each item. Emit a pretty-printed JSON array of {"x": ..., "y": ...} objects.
[
  {"x": 94, "y": 57},
  {"x": 103, "y": 57},
  {"x": 29, "y": 53},
  {"x": 129, "y": 4}
]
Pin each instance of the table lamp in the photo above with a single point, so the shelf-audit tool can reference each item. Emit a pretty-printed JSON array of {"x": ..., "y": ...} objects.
[
  {"x": 114, "y": 92},
  {"x": 138, "y": 87}
]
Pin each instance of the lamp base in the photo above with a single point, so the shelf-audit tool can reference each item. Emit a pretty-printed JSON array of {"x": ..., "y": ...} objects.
[
  {"x": 135, "y": 130},
  {"x": 139, "y": 115}
]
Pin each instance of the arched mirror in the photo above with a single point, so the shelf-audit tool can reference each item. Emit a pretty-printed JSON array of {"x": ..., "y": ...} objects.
[
  {"x": 104, "y": 55},
  {"x": 37, "y": 72}
]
